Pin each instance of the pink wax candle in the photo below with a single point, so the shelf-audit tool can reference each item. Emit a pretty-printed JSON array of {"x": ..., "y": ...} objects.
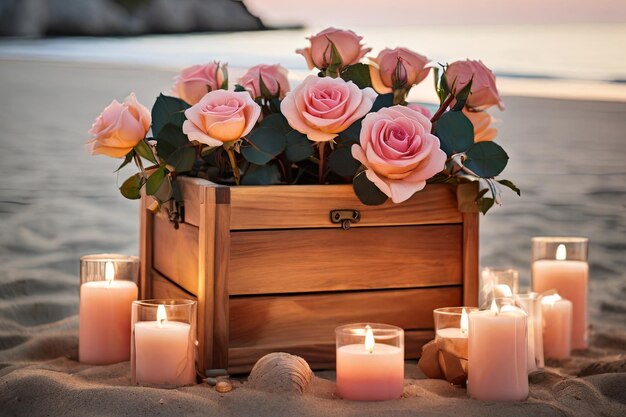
[
  {"x": 105, "y": 319},
  {"x": 557, "y": 327},
  {"x": 570, "y": 279},
  {"x": 370, "y": 370},
  {"x": 497, "y": 354}
]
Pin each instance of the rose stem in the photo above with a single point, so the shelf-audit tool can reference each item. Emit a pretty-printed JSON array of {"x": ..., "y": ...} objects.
[
  {"x": 320, "y": 172},
  {"x": 233, "y": 164},
  {"x": 442, "y": 108}
]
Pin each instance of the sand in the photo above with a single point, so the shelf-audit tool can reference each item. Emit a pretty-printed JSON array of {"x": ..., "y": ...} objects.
[{"x": 57, "y": 203}]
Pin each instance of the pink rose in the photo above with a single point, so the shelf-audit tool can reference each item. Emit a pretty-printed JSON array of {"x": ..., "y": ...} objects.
[
  {"x": 420, "y": 109},
  {"x": 119, "y": 128},
  {"x": 221, "y": 116},
  {"x": 482, "y": 125},
  {"x": 399, "y": 151},
  {"x": 321, "y": 108},
  {"x": 484, "y": 92},
  {"x": 274, "y": 77},
  {"x": 397, "y": 68},
  {"x": 347, "y": 42},
  {"x": 194, "y": 82}
]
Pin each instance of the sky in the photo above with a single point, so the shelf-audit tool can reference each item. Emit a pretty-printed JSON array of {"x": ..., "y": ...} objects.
[{"x": 406, "y": 12}]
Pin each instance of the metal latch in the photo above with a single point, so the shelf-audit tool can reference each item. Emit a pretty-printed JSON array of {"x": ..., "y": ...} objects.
[{"x": 345, "y": 217}]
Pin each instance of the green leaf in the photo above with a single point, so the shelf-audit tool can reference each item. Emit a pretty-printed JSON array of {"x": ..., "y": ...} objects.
[
  {"x": 144, "y": 150},
  {"x": 182, "y": 159},
  {"x": 277, "y": 122},
  {"x": 367, "y": 191},
  {"x": 358, "y": 74},
  {"x": 265, "y": 92},
  {"x": 383, "y": 100},
  {"x": 263, "y": 145},
  {"x": 166, "y": 110},
  {"x": 455, "y": 132},
  {"x": 341, "y": 162},
  {"x": 484, "y": 204},
  {"x": 486, "y": 159},
  {"x": 461, "y": 96},
  {"x": 261, "y": 175},
  {"x": 155, "y": 180},
  {"x": 165, "y": 191},
  {"x": 171, "y": 137},
  {"x": 224, "y": 85},
  {"x": 510, "y": 185},
  {"x": 127, "y": 159},
  {"x": 298, "y": 147},
  {"x": 466, "y": 195},
  {"x": 239, "y": 88},
  {"x": 132, "y": 186},
  {"x": 335, "y": 60}
]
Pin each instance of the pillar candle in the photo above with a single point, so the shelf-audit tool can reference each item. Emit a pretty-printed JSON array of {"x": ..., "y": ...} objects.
[
  {"x": 557, "y": 327},
  {"x": 105, "y": 320},
  {"x": 497, "y": 355},
  {"x": 570, "y": 279}
]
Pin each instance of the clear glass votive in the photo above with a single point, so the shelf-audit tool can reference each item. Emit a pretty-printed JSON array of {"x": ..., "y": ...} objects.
[
  {"x": 108, "y": 286},
  {"x": 560, "y": 263},
  {"x": 497, "y": 283},
  {"x": 163, "y": 343},
  {"x": 370, "y": 361},
  {"x": 451, "y": 329},
  {"x": 530, "y": 302}
]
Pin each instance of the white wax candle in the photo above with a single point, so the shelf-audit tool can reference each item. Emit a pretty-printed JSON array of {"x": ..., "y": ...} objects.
[
  {"x": 105, "y": 321},
  {"x": 164, "y": 353},
  {"x": 497, "y": 355},
  {"x": 557, "y": 330},
  {"x": 570, "y": 280}
]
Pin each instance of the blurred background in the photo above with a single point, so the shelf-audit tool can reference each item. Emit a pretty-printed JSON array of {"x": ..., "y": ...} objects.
[{"x": 561, "y": 67}]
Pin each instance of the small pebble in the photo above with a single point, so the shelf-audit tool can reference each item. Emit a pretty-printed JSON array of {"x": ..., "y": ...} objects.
[
  {"x": 216, "y": 372},
  {"x": 223, "y": 386},
  {"x": 161, "y": 401},
  {"x": 211, "y": 381}
]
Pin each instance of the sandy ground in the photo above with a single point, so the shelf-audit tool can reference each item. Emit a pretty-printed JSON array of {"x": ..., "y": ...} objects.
[{"x": 58, "y": 203}]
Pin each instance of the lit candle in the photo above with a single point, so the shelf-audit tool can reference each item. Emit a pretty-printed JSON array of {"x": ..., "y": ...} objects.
[
  {"x": 570, "y": 279},
  {"x": 557, "y": 326},
  {"x": 164, "y": 352},
  {"x": 104, "y": 319},
  {"x": 497, "y": 354},
  {"x": 454, "y": 339},
  {"x": 370, "y": 371}
]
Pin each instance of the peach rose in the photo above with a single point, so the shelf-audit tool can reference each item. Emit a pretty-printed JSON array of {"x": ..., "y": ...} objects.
[
  {"x": 192, "y": 83},
  {"x": 119, "y": 128},
  {"x": 399, "y": 151},
  {"x": 420, "y": 109},
  {"x": 221, "y": 116},
  {"x": 484, "y": 92},
  {"x": 274, "y": 77},
  {"x": 347, "y": 42},
  {"x": 321, "y": 108},
  {"x": 482, "y": 125},
  {"x": 397, "y": 68}
]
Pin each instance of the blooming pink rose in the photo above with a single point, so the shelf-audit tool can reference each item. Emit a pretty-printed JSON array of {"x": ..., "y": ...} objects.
[
  {"x": 347, "y": 42},
  {"x": 420, "y": 109},
  {"x": 484, "y": 92},
  {"x": 274, "y": 77},
  {"x": 321, "y": 108},
  {"x": 397, "y": 68},
  {"x": 221, "y": 116},
  {"x": 119, "y": 128},
  {"x": 483, "y": 131},
  {"x": 399, "y": 151},
  {"x": 192, "y": 83}
]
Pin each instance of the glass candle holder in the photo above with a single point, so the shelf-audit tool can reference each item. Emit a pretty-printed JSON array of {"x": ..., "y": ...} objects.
[
  {"x": 530, "y": 302},
  {"x": 163, "y": 343},
  {"x": 498, "y": 283},
  {"x": 370, "y": 361},
  {"x": 451, "y": 329},
  {"x": 108, "y": 286},
  {"x": 560, "y": 263}
]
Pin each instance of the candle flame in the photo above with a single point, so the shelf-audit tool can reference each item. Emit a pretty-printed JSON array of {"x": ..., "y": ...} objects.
[
  {"x": 369, "y": 339},
  {"x": 109, "y": 272},
  {"x": 161, "y": 315},
  {"x": 464, "y": 322},
  {"x": 494, "y": 307},
  {"x": 551, "y": 299},
  {"x": 561, "y": 253}
]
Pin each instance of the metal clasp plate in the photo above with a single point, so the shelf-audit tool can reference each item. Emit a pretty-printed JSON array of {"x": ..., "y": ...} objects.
[{"x": 345, "y": 217}]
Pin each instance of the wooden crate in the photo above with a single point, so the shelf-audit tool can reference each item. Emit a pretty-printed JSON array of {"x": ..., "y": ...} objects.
[{"x": 271, "y": 272}]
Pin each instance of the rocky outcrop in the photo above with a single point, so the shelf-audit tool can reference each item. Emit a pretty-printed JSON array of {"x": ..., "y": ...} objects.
[{"x": 35, "y": 18}]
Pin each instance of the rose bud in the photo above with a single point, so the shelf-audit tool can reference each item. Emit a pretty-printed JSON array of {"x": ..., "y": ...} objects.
[
  {"x": 483, "y": 93},
  {"x": 397, "y": 68},
  {"x": 274, "y": 78},
  {"x": 192, "y": 83},
  {"x": 346, "y": 42}
]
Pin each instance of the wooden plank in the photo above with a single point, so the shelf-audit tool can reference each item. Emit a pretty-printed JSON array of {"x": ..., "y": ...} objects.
[
  {"x": 205, "y": 278},
  {"x": 318, "y": 355},
  {"x": 175, "y": 252},
  {"x": 221, "y": 295},
  {"x": 470, "y": 259},
  {"x": 257, "y": 321},
  {"x": 164, "y": 288},
  {"x": 289, "y": 261},
  {"x": 146, "y": 241}
]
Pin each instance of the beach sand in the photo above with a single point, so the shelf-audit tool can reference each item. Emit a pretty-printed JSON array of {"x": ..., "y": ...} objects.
[{"x": 58, "y": 203}]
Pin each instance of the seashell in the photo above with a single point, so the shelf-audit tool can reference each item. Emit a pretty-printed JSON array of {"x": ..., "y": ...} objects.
[
  {"x": 223, "y": 386},
  {"x": 280, "y": 372}
]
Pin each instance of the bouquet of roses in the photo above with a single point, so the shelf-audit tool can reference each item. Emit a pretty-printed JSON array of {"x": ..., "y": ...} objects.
[{"x": 348, "y": 123}]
